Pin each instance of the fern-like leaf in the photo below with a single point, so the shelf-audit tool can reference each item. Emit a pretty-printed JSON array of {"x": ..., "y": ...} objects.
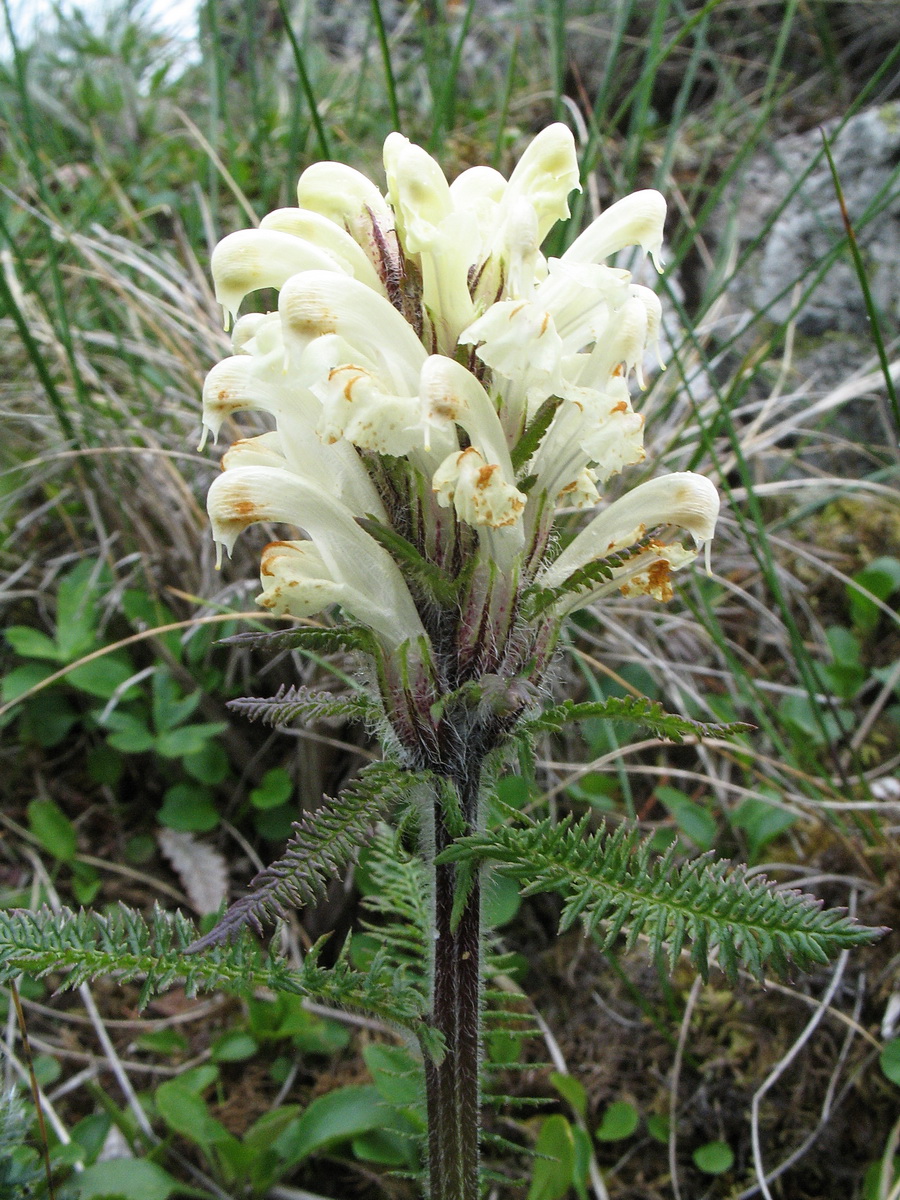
[
  {"x": 534, "y": 433},
  {"x": 612, "y": 878},
  {"x": 398, "y": 900},
  {"x": 318, "y": 850},
  {"x": 638, "y": 709},
  {"x": 302, "y": 703},
  {"x": 122, "y": 943},
  {"x": 311, "y": 638}
]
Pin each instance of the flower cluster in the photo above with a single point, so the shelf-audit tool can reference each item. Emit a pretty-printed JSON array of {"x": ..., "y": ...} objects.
[{"x": 439, "y": 391}]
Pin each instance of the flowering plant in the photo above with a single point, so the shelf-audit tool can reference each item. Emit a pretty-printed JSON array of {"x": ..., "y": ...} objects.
[{"x": 444, "y": 398}]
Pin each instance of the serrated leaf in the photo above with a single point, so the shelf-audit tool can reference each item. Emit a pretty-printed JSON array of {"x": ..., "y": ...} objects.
[
  {"x": 84, "y": 945},
  {"x": 321, "y": 845},
  {"x": 610, "y": 880},
  {"x": 534, "y": 433},
  {"x": 302, "y": 703},
  {"x": 337, "y": 639},
  {"x": 640, "y": 710}
]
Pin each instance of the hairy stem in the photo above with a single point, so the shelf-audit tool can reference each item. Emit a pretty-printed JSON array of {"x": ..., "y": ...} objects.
[{"x": 453, "y": 1087}]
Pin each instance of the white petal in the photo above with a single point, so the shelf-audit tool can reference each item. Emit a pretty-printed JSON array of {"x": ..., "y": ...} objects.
[
  {"x": 245, "y": 495},
  {"x": 324, "y": 234},
  {"x": 354, "y": 406},
  {"x": 418, "y": 191},
  {"x": 635, "y": 220},
  {"x": 251, "y": 259},
  {"x": 347, "y": 198},
  {"x": 296, "y": 582},
  {"x": 545, "y": 175},
  {"x": 477, "y": 490},
  {"x": 519, "y": 340},
  {"x": 261, "y": 451},
  {"x": 683, "y": 498},
  {"x": 318, "y": 302},
  {"x": 452, "y": 393}
]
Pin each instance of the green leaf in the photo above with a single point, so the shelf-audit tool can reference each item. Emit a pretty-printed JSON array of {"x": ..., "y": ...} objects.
[
  {"x": 209, "y": 765},
  {"x": 47, "y": 719},
  {"x": 162, "y": 1041},
  {"x": 103, "y": 677},
  {"x": 619, "y": 1122},
  {"x": 188, "y": 808},
  {"x": 658, "y": 1128},
  {"x": 146, "y": 612},
  {"x": 571, "y": 1091},
  {"x": 77, "y": 610},
  {"x": 398, "y": 1076},
  {"x": 321, "y": 844},
  {"x": 442, "y": 587},
  {"x": 31, "y": 643},
  {"x": 612, "y": 884},
  {"x": 125, "y": 1179},
  {"x": 383, "y": 1146},
  {"x": 500, "y": 902},
  {"x": 554, "y": 1172},
  {"x": 86, "y": 882},
  {"x": 890, "y": 1060},
  {"x": 303, "y": 704},
  {"x": 336, "y": 1117},
  {"x": 234, "y": 1046},
  {"x": 761, "y": 822},
  {"x": 695, "y": 822},
  {"x": 275, "y": 788},
  {"x": 22, "y": 679},
  {"x": 188, "y": 740},
  {"x": 186, "y": 1113},
  {"x": 53, "y": 829},
  {"x": 714, "y": 1158},
  {"x": 83, "y": 945},
  {"x": 130, "y": 733},
  {"x": 339, "y": 638},
  {"x": 534, "y": 433},
  {"x": 638, "y": 709},
  {"x": 881, "y": 578},
  {"x": 170, "y": 708}
]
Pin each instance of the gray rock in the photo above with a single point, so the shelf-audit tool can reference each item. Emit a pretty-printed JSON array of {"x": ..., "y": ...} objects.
[{"x": 799, "y": 236}]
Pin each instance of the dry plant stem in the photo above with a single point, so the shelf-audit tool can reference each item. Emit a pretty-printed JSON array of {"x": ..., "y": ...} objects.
[{"x": 452, "y": 1086}]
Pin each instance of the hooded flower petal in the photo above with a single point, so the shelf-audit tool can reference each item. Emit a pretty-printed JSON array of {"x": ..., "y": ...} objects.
[
  {"x": 317, "y": 303},
  {"x": 256, "y": 258},
  {"x": 244, "y": 495},
  {"x": 683, "y": 498},
  {"x": 351, "y": 201},
  {"x": 519, "y": 340},
  {"x": 546, "y": 175},
  {"x": 430, "y": 227},
  {"x": 316, "y": 229},
  {"x": 355, "y": 407},
  {"x": 635, "y": 220}
]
